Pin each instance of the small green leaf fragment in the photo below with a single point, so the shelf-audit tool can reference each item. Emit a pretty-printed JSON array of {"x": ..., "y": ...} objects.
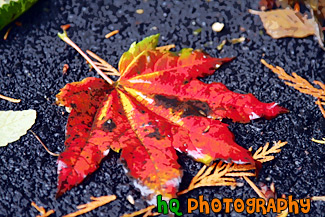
[
  {"x": 197, "y": 31},
  {"x": 237, "y": 40},
  {"x": 220, "y": 46}
]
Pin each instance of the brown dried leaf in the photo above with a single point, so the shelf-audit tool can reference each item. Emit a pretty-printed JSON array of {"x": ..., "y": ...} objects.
[{"x": 281, "y": 23}]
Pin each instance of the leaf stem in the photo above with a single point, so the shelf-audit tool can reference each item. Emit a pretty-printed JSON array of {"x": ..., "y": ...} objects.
[{"x": 67, "y": 40}]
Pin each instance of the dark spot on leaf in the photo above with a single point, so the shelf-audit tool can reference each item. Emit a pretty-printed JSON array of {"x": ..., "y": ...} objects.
[
  {"x": 156, "y": 134},
  {"x": 188, "y": 107},
  {"x": 73, "y": 105},
  {"x": 109, "y": 125}
]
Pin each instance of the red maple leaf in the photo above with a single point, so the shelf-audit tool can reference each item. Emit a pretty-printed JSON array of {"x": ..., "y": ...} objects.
[{"x": 156, "y": 107}]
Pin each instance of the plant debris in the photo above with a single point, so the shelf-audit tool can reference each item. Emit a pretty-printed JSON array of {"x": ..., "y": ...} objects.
[
  {"x": 281, "y": 23},
  {"x": 300, "y": 84},
  {"x": 263, "y": 153},
  {"x": 65, "y": 69},
  {"x": 146, "y": 212},
  {"x": 288, "y": 22},
  {"x": 14, "y": 124},
  {"x": 237, "y": 40},
  {"x": 220, "y": 46},
  {"x": 222, "y": 174},
  {"x": 7, "y": 33},
  {"x": 166, "y": 47},
  {"x": 319, "y": 141},
  {"x": 65, "y": 27},
  {"x": 108, "y": 35},
  {"x": 43, "y": 212},
  {"x": 95, "y": 203},
  {"x": 197, "y": 31},
  {"x": 10, "y": 99},
  {"x": 44, "y": 146}
]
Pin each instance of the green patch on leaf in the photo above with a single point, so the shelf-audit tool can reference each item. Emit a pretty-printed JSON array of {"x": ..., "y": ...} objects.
[{"x": 12, "y": 9}]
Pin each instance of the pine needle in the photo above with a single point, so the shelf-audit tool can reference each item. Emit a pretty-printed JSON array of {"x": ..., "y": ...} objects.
[
  {"x": 318, "y": 198},
  {"x": 262, "y": 154},
  {"x": 300, "y": 84},
  {"x": 214, "y": 175},
  {"x": 319, "y": 141},
  {"x": 256, "y": 189},
  {"x": 103, "y": 65},
  {"x": 165, "y": 48},
  {"x": 9, "y": 99},
  {"x": 44, "y": 146},
  {"x": 146, "y": 211},
  {"x": 111, "y": 33},
  {"x": 42, "y": 210},
  {"x": 7, "y": 33},
  {"x": 95, "y": 203},
  {"x": 223, "y": 174}
]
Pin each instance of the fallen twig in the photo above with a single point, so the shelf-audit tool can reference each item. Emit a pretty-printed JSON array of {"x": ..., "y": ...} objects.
[
  {"x": 67, "y": 40},
  {"x": 256, "y": 189},
  {"x": 42, "y": 210},
  {"x": 103, "y": 65},
  {"x": 166, "y": 47},
  {"x": 108, "y": 35},
  {"x": 44, "y": 146},
  {"x": 7, "y": 33},
  {"x": 10, "y": 99}
]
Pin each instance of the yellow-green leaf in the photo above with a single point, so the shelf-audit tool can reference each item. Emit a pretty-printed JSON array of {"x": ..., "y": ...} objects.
[{"x": 14, "y": 124}]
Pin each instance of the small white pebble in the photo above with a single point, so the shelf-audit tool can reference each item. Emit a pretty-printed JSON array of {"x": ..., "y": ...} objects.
[
  {"x": 217, "y": 27},
  {"x": 232, "y": 187},
  {"x": 130, "y": 199},
  {"x": 68, "y": 109},
  {"x": 139, "y": 11}
]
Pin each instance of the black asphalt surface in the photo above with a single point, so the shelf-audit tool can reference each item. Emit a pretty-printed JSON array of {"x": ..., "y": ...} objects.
[{"x": 31, "y": 63}]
